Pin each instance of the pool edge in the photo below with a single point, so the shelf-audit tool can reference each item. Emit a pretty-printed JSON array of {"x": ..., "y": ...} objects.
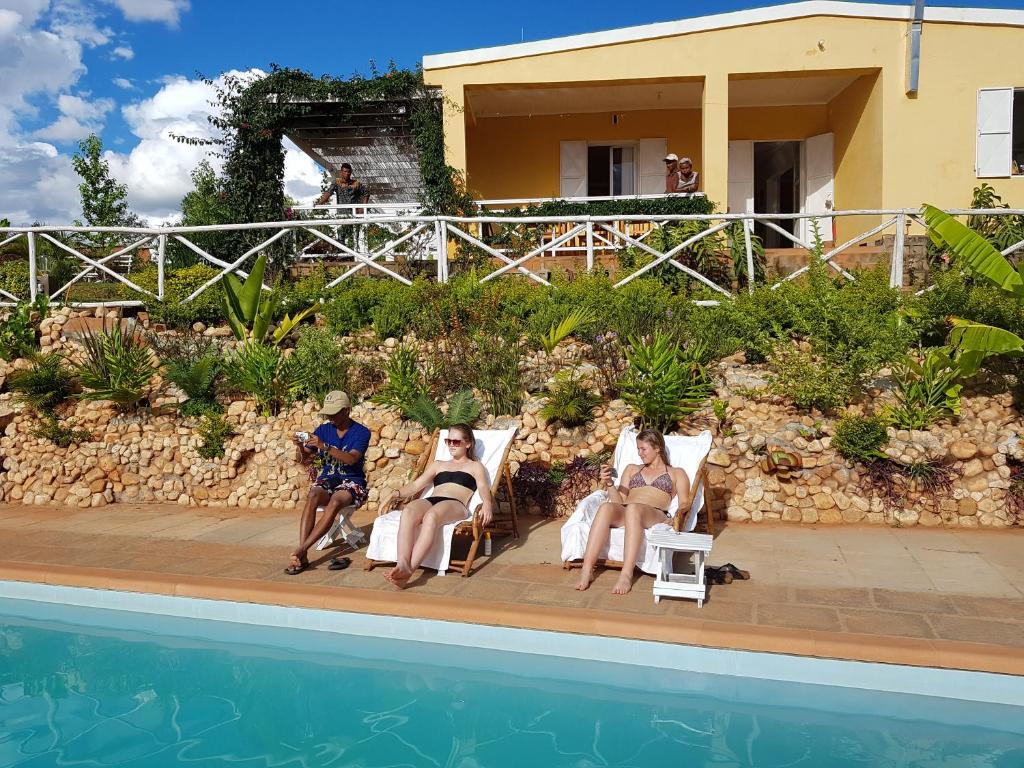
[{"x": 874, "y": 649}]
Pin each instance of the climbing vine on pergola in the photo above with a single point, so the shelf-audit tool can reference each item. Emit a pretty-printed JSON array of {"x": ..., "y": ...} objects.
[{"x": 254, "y": 115}]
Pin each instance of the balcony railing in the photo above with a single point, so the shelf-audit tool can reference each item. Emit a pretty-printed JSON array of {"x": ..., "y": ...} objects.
[{"x": 545, "y": 244}]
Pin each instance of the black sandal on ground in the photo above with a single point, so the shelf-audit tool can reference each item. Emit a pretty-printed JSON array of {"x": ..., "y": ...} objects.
[
  {"x": 295, "y": 570},
  {"x": 736, "y": 572},
  {"x": 339, "y": 563},
  {"x": 718, "y": 574}
]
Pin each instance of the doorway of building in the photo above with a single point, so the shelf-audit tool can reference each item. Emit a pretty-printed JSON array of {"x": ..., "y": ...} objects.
[{"x": 777, "y": 188}]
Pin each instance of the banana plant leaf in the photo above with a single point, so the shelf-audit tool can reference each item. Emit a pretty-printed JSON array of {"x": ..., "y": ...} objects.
[
  {"x": 289, "y": 322},
  {"x": 974, "y": 252}
]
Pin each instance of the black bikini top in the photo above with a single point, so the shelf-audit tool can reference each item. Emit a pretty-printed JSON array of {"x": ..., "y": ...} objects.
[{"x": 458, "y": 477}]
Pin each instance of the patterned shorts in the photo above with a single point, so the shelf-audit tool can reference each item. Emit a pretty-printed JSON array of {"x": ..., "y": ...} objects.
[{"x": 332, "y": 483}]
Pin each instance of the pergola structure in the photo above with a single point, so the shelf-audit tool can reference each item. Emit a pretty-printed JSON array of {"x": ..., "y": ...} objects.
[{"x": 377, "y": 141}]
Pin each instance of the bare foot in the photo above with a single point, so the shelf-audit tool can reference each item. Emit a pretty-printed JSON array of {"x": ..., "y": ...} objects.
[
  {"x": 586, "y": 579},
  {"x": 398, "y": 576},
  {"x": 623, "y": 585}
]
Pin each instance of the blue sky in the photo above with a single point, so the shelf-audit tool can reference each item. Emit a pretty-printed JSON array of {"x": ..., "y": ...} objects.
[{"x": 129, "y": 69}]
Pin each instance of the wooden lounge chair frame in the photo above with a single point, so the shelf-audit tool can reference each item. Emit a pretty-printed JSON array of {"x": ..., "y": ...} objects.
[
  {"x": 473, "y": 526},
  {"x": 677, "y": 520}
]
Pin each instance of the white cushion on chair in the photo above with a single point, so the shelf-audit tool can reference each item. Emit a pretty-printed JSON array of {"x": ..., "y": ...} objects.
[
  {"x": 684, "y": 451},
  {"x": 490, "y": 450}
]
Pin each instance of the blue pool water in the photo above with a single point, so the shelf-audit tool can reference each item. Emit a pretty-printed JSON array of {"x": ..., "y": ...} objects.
[{"x": 87, "y": 687}]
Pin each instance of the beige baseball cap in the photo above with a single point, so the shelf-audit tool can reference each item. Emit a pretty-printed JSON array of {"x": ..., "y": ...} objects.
[
  {"x": 671, "y": 157},
  {"x": 334, "y": 403}
]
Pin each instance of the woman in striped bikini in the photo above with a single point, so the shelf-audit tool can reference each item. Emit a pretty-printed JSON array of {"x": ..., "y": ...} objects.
[{"x": 641, "y": 500}]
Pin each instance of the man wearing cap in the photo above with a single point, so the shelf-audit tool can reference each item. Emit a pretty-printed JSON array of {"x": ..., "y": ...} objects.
[
  {"x": 671, "y": 173},
  {"x": 341, "y": 444}
]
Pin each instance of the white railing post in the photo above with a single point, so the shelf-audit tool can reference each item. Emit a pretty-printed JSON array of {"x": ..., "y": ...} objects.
[
  {"x": 161, "y": 253},
  {"x": 442, "y": 251},
  {"x": 748, "y": 225},
  {"x": 896, "y": 264},
  {"x": 33, "y": 279},
  {"x": 590, "y": 245}
]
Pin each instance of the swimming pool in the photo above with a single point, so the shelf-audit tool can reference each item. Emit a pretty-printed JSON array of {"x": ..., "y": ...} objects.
[{"x": 92, "y": 686}]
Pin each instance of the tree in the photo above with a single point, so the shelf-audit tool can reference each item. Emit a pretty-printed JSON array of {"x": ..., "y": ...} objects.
[
  {"x": 206, "y": 204},
  {"x": 104, "y": 200}
]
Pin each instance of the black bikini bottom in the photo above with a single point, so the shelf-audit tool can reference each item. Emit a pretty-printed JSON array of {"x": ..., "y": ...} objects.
[{"x": 438, "y": 499}]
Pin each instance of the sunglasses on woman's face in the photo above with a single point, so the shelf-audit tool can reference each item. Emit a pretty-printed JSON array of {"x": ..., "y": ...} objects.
[{"x": 451, "y": 442}]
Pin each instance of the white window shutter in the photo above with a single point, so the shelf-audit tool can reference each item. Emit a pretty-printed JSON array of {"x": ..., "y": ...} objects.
[
  {"x": 741, "y": 177},
  {"x": 652, "y": 166},
  {"x": 573, "y": 170},
  {"x": 995, "y": 129},
  {"x": 819, "y": 194}
]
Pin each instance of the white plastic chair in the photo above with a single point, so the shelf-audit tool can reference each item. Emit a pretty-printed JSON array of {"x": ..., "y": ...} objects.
[{"x": 688, "y": 453}]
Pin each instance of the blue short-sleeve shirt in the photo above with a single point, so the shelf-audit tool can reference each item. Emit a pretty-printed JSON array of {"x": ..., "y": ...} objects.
[{"x": 356, "y": 438}]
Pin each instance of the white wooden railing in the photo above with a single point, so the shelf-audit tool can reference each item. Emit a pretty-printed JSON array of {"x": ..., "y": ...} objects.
[{"x": 422, "y": 238}]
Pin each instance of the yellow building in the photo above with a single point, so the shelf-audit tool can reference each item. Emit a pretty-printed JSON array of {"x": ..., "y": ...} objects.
[{"x": 802, "y": 107}]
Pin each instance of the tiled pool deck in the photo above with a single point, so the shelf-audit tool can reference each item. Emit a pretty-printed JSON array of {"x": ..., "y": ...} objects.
[{"x": 944, "y": 598}]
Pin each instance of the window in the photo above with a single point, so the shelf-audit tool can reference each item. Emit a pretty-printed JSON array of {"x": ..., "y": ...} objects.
[
  {"x": 1000, "y": 150},
  {"x": 1017, "y": 144},
  {"x": 611, "y": 171}
]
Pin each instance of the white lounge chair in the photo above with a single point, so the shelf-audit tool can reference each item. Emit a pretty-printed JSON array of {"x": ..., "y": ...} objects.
[
  {"x": 689, "y": 454},
  {"x": 492, "y": 448}
]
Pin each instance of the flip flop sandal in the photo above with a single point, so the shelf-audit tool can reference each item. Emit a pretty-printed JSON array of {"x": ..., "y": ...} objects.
[
  {"x": 736, "y": 572},
  {"x": 339, "y": 563},
  {"x": 295, "y": 570}
]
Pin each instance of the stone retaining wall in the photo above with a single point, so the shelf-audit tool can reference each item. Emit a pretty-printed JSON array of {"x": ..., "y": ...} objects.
[{"x": 151, "y": 456}]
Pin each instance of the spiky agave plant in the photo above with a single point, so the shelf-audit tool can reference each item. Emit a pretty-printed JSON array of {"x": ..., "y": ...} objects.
[
  {"x": 198, "y": 380},
  {"x": 118, "y": 367}
]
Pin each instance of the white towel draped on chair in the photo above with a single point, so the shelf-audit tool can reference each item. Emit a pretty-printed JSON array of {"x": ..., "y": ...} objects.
[
  {"x": 686, "y": 452},
  {"x": 490, "y": 449}
]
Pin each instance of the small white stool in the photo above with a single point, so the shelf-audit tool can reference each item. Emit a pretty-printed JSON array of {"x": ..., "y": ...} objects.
[
  {"x": 342, "y": 527},
  {"x": 667, "y": 583}
]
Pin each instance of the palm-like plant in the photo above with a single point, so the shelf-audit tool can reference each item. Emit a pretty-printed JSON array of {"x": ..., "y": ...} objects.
[
  {"x": 570, "y": 401},
  {"x": 250, "y": 311},
  {"x": 198, "y": 380},
  {"x": 118, "y": 367},
  {"x": 926, "y": 391},
  {"x": 265, "y": 373},
  {"x": 405, "y": 381},
  {"x": 45, "y": 384},
  {"x": 662, "y": 383},
  {"x": 463, "y": 408},
  {"x": 569, "y": 324},
  {"x": 972, "y": 341}
]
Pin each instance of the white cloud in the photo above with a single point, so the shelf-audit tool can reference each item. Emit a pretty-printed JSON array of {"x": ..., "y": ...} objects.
[
  {"x": 78, "y": 118},
  {"x": 123, "y": 52},
  {"x": 124, "y": 83},
  {"x": 9, "y": 21},
  {"x": 73, "y": 19},
  {"x": 167, "y": 11}
]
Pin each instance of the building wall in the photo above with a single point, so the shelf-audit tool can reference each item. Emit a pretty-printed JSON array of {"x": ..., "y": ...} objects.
[
  {"x": 512, "y": 157},
  {"x": 794, "y": 123},
  {"x": 921, "y": 149}
]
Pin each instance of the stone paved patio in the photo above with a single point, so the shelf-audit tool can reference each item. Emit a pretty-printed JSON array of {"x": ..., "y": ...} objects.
[{"x": 917, "y": 591}]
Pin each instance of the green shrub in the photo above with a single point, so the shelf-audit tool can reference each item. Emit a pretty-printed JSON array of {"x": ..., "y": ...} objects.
[
  {"x": 570, "y": 402},
  {"x": 14, "y": 279},
  {"x": 663, "y": 384},
  {"x": 19, "y": 332},
  {"x": 197, "y": 378},
  {"x": 405, "y": 381},
  {"x": 809, "y": 381},
  {"x": 45, "y": 384},
  {"x": 393, "y": 314},
  {"x": 351, "y": 308},
  {"x": 322, "y": 361},
  {"x": 214, "y": 429},
  {"x": 497, "y": 368},
  {"x": 57, "y": 433},
  {"x": 926, "y": 391},
  {"x": 118, "y": 367},
  {"x": 860, "y": 438},
  {"x": 567, "y": 327},
  {"x": 179, "y": 284},
  {"x": 265, "y": 373}
]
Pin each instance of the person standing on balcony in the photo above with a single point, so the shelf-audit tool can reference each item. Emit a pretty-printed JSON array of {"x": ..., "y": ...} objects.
[
  {"x": 688, "y": 179},
  {"x": 672, "y": 173},
  {"x": 346, "y": 189}
]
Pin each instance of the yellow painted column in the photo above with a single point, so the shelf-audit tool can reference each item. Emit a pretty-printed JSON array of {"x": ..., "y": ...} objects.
[
  {"x": 455, "y": 127},
  {"x": 715, "y": 138}
]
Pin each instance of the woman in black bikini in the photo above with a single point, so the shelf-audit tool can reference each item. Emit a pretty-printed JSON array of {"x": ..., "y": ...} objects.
[
  {"x": 454, "y": 481},
  {"x": 644, "y": 494}
]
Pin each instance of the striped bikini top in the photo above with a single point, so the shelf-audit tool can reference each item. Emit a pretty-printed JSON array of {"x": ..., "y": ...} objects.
[{"x": 662, "y": 482}]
